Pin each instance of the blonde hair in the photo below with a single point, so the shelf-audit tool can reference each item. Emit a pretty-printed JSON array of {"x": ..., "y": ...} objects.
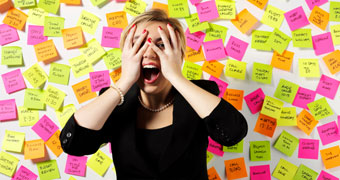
[{"x": 159, "y": 16}]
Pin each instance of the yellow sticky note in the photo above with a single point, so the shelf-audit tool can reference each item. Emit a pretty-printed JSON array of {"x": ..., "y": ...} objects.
[
  {"x": 191, "y": 70},
  {"x": 53, "y": 97},
  {"x": 35, "y": 75},
  {"x": 236, "y": 69},
  {"x": 8, "y": 164},
  {"x": 83, "y": 91},
  {"x": 37, "y": 16},
  {"x": 113, "y": 58},
  {"x": 64, "y": 113},
  {"x": 80, "y": 66},
  {"x": 287, "y": 117},
  {"x": 178, "y": 8},
  {"x": 13, "y": 141},
  {"x": 262, "y": 73},
  {"x": 320, "y": 108},
  {"x": 46, "y": 51},
  {"x": 27, "y": 117},
  {"x": 53, "y": 26},
  {"x": 226, "y": 9},
  {"x": 34, "y": 149},
  {"x": 73, "y": 37},
  {"x": 135, "y": 7},
  {"x": 88, "y": 22},
  {"x": 92, "y": 51},
  {"x": 117, "y": 19},
  {"x": 59, "y": 73},
  {"x": 335, "y": 31},
  {"x": 194, "y": 23},
  {"x": 244, "y": 21},
  {"x": 273, "y": 17},
  {"x": 309, "y": 68},
  {"x": 272, "y": 107},
  {"x": 99, "y": 162},
  {"x": 33, "y": 99}
]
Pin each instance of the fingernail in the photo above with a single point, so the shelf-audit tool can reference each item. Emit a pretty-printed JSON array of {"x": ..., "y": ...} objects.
[
  {"x": 133, "y": 25},
  {"x": 169, "y": 24},
  {"x": 149, "y": 40},
  {"x": 160, "y": 27},
  {"x": 144, "y": 31}
]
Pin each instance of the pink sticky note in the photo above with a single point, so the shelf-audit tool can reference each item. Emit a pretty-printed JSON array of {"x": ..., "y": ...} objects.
[
  {"x": 312, "y": 3},
  {"x": 339, "y": 124},
  {"x": 45, "y": 128},
  {"x": 303, "y": 97},
  {"x": 193, "y": 2},
  {"x": 236, "y": 48},
  {"x": 24, "y": 174},
  {"x": 8, "y": 34},
  {"x": 35, "y": 35},
  {"x": 328, "y": 133},
  {"x": 207, "y": 11},
  {"x": 222, "y": 86},
  {"x": 13, "y": 81},
  {"x": 327, "y": 86},
  {"x": 326, "y": 176},
  {"x": 215, "y": 147},
  {"x": 76, "y": 165},
  {"x": 255, "y": 100},
  {"x": 99, "y": 80},
  {"x": 308, "y": 149},
  {"x": 8, "y": 110},
  {"x": 323, "y": 43},
  {"x": 296, "y": 18},
  {"x": 260, "y": 172},
  {"x": 111, "y": 37},
  {"x": 214, "y": 50},
  {"x": 194, "y": 40}
]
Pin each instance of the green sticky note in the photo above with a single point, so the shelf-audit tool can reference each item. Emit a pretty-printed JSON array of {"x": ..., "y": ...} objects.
[
  {"x": 226, "y": 9},
  {"x": 286, "y": 91},
  {"x": 272, "y": 107},
  {"x": 287, "y": 117},
  {"x": 35, "y": 75},
  {"x": 34, "y": 99},
  {"x": 278, "y": 41},
  {"x": 11, "y": 55},
  {"x": 273, "y": 17},
  {"x": 286, "y": 143},
  {"x": 134, "y": 7},
  {"x": 191, "y": 70},
  {"x": 209, "y": 156},
  {"x": 262, "y": 73},
  {"x": 113, "y": 58},
  {"x": 13, "y": 141},
  {"x": 304, "y": 173},
  {"x": 236, "y": 69},
  {"x": 27, "y": 117},
  {"x": 80, "y": 66},
  {"x": 309, "y": 68},
  {"x": 92, "y": 51},
  {"x": 53, "y": 26},
  {"x": 8, "y": 164},
  {"x": 237, "y": 148},
  {"x": 194, "y": 23},
  {"x": 260, "y": 151},
  {"x": 53, "y": 97},
  {"x": 88, "y": 22},
  {"x": 64, "y": 113},
  {"x": 24, "y": 3},
  {"x": 99, "y": 162},
  {"x": 302, "y": 38},
  {"x": 72, "y": 178},
  {"x": 178, "y": 8},
  {"x": 37, "y": 16},
  {"x": 48, "y": 170},
  {"x": 59, "y": 73},
  {"x": 215, "y": 32},
  {"x": 335, "y": 32},
  {"x": 51, "y": 6},
  {"x": 98, "y": 2},
  {"x": 334, "y": 11},
  {"x": 284, "y": 170},
  {"x": 320, "y": 108},
  {"x": 259, "y": 40}
]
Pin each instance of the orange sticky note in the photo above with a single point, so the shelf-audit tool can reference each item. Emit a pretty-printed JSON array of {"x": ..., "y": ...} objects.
[
  {"x": 194, "y": 56},
  {"x": 213, "y": 68},
  {"x": 115, "y": 75},
  {"x": 161, "y": 6},
  {"x": 117, "y": 19},
  {"x": 54, "y": 143},
  {"x": 15, "y": 18},
  {"x": 283, "y": 61},
  {"x": 34, "y": 149},
  {"x": 331, "y": 157},
  {"x": 73, "y": 37},
  {"x": 332, "y": 61},
  {"x": 234, "y": 97},
  {"x": 5, "y": 5},
  {"x": 306, "y": 122},
  {"x": 83, "y": 91},
  {"x": 212, "y": 174},
  {"x": 71, "y": 2},
  {"x": 265, "y": 125},
  {"x": 244, "y": 21},
  {"x": 319, "y": 17},
  {"x": 46, "y": 51},
  {"x": 259, "y": 3},
  {"x": 235, "y": 168}
]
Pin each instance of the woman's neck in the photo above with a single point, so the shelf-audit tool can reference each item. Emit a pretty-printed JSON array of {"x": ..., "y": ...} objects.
[{"x": 155, "y": 101}]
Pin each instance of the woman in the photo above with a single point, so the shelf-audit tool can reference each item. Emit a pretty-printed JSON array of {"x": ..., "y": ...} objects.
[{"x": 157, "y": 121}]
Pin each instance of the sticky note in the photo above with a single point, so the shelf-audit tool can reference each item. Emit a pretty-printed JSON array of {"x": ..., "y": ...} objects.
[
  {"x": 178, "y": 9},
  {"x": 71, "y": 2},
  {"x": 328, "y": 133},
  {"x": 222, "y": 86},
  {"x": 191, "y": 70},
  {"x": 59, "y": 73},
  {"x": 286, "y": 91},
  {"x": 99, "y": 80},
  {"x": 234, "y": 97},
  {"x": 64, "y": 113},
  {"x": 194, "y": 23},
  {"x": 261, "y": 172},
  {"x": 135, "y": 7},
  {"x": 161, "y": 6},
  {"x": 326, "y": 176},
  {"x": 209, "y": 156},
  {"x": 302, "y": 38},
  {"x": 207, "y": 11},
  {"x": 265, "y": 125},
  {"x": 111, "y": 37},
  {"x": 73, "y": 37},
  {"x": 272, "y": 107},
  {"x": 24, "y": 173},
  {"x": 98, "y": 3},
  {"x": 304, "y": 172},
  {"x": 194, "y": 56},
  {"x": 278, "y": 41},
  {"x": 273, "y": 17},
  {"x": 327, "y": 86},
  {"x": 53, "y": 26},
  {"x": 13, "y": 141},
  {"x": 213, "y": 68},
  {"x": 255, "y": 100},
  {"x": 244, "y": 21},
  {"x": 80, "y": 66},
  {"x": 15, "y": 18},
  {"x": 51, "y": 6},
  {"x": 226, "y": 9},
  {"x": 37, "y": 16},
  {"x": 117, "y": 19},
  {"x": 99, "y": 162},
  {"x": 282, "y": 61},
  {"x": 212, "y": 174},
  {"x": 8, "y": 163},
  {"x": 237, "y": 148},
  {"x": 235, "y": 168},
  {"x": 8, "y": 34},
  {"x": 286, "y": 143},
  {"x": 115, "y": 75},
  {"x": 320, "y": 108},
  {"x": 46, "y": 51},
  {"x": 214, "y": 50},
  {"x": 54, "y": 144},
  {"x": 45, "y": 128},
  {"x": 76, "y": 165},
  {"x": 312, "y": 3},
  {"x": 48, "y": 170},
  {"x": 215, "y": 32},
  {"x": 92, "y": 51},
  {"x": 34, "y": 99},
  {"x": 332, "y": 61},
  {"x": 35, "y": 35},
  {"x": 259, "y": 151},
  {"x": 83, "y": 92},
  {"x": 8, "y": 110},
  {"x": 296, "y": 18},
  {"x": 194, "y": 40},
  {"x": 34, "y": 149},
  {"x": 27, "y": 117},
  {"x": 284, "y": 170},
  {"x": 323, "y": 43},
  {"x": 287, "y": 117},
  {"x": 214, "y": 147},
  {"x": 319, "y": 17},
  {"x": 112, "y": 58},
  {"x": 11, "y": 56},
  {"x": 334, "y": 13},
  {"x": 306, "y": 122},
  {"x": 53, "y": 97},
  {"x": 331, "y": 157},
  {"x": 303, "y": 97},
  {"x": 262, "y": 73},
  {"x": 236, "y": 69},
  {"x": 72, "y": 178},
  {"x": 308, "y": 148},
  {"x": 13, "y": 81},
  {"x": 259, "y": 40},
  {"x": 236, "y": 48},
  {"x": 5, "y": 5},
  {"x": 88, "y": 22},
  {"x": 259, "y": 3}
]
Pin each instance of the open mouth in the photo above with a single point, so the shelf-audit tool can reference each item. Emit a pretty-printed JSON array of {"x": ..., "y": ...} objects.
[{"x": 150, "y": 73}]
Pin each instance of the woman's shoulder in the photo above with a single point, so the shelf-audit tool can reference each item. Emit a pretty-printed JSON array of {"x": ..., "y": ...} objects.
[{"x": 208, "y": 85}]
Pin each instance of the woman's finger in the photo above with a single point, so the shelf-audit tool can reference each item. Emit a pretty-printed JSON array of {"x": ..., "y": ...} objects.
[
  {"x": 178, "y": 41},
  {"x": 128, "y": 41},
  {"x": 159, "y": 52},
  {"x": 139, "y": 41},
  {"x": 142, "y": 50},
  {"x": 164, "y": 38},
  {"x": 172, "y": 36}
]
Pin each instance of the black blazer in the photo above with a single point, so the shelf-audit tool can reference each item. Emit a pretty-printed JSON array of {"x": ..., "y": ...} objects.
[{"x": 185, "y": 155}]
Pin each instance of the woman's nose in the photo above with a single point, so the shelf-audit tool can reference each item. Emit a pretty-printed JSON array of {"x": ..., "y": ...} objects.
[{"x": 150, "y": 53}]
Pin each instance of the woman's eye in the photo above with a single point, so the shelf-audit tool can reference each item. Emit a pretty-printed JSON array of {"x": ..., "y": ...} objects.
[{"x": 161, "y": 46}]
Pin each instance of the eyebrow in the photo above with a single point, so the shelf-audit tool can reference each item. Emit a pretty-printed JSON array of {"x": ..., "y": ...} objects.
[{"x": 158, "y": 39}]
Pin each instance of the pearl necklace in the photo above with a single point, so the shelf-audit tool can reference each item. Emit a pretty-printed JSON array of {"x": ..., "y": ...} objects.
[{"x": 155, "y": 110}]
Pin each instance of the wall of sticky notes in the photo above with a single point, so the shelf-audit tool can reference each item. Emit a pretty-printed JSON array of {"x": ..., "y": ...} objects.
[{"x": 277, "y": 62}]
